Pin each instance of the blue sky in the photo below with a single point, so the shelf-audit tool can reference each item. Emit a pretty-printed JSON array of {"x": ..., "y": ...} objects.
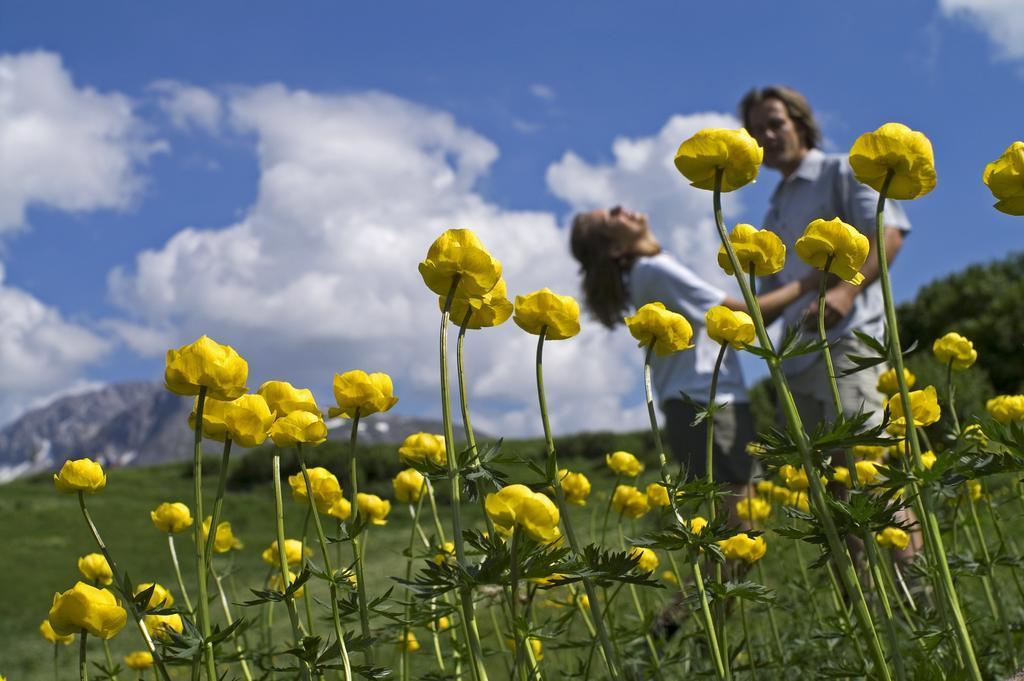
[{"x": 315, "y": 149}]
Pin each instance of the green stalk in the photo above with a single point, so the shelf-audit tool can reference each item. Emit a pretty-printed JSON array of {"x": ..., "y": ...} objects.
[
  {"x": 306, "y": 602},
  {"x": 610, "y": 658},
  {"x": 996, "y": 604},
  {"x": 109, "y": 658},
  {"x": 799, "y": 435},
  {"x": 239, "y": 649},
  {"x": 709, "y": 449},
  {"x": 326, "y": 555},
  {"x": 218, "y": 503},
  {"x": 357, "y": 542},
  {"x": 83, "y": 665},
  {"x": 721, "y": 669},
  {"x": 201, "y": 556},
  {"x": 517, "y": 639},
  {"x": 930, "y": 529},
  {"x": 1005, "y": 541},
  {"x": 56, "y": 662},
  {"x": 655, "y": 660},
  {"x": 866, "y": 536},
  {"x": 293, "y": 613},
  {"x": 414, "y": 511},
  {"x": 653, "y": 415},
  {"x": 780, "y": 653},
  {"x": 128, "y": 600},
  {"x": 465, "y": 593},
  {"x": 844, "y": 615},
  {"x": 747, "y": 641},
  {"x": 608, "y": 508},
  {"x": 177, "y": 572}
]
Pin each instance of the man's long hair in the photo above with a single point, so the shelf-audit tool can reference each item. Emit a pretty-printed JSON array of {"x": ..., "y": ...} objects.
[
  {"x": 605, "y": 292},
  {"x": 796, "y": 106}
]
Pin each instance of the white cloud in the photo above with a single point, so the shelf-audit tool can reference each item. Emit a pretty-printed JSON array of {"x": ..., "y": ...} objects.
[
  {"x": 41, "y": 353},
  {"x": 642, "y": 176},
  {"x": 320, "y": 274},
  {"x": 541, "y": 91},
  {"x": 188, "y": 106},
  {"x": 1001, "y": 20},
  {"x": 68, "y": 147}
]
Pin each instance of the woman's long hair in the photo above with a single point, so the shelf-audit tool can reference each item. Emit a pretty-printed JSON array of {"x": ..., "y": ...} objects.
[{"x": 604, "y": 269}]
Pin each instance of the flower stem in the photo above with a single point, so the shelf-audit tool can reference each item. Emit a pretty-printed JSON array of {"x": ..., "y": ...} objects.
[
  {"x": 177, "y": 572},
  {"x": 996, "y": 604},
  {"x": 325, "y": 554},
  {"x": 655, "y": 660},
  {"x": 414, "y": 511},
  {"x": 218, "y": 502},
  {"x": 357, "y": 541},
  {"x": 83, "y": 652},
  {"x": 201, "y": 556},
  {"x": 780, "y": 653},
  {"x": 653, "y": 415},
  {"x": 931, "y": 530},
  {"x": 709, "y": 623},
  {"x": 136, "y": 615},
  {"x": 799, "y": 435},
  {"x": 239, "y": 649},
  {"x": 282, "y": 556},
  {"x": 610, "y": 658}
]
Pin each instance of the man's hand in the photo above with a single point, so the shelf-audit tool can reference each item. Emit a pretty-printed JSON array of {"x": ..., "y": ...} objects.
[{"x": 838, "y": 304}]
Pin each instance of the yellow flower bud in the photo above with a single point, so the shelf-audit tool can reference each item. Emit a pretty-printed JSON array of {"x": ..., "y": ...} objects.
[
  {"x": 894, "y": 148},
  {"x": 575, "y": 486},
  {"x": 924, "y": 407},
  {"x": 888, "y": 385},
  {"x": 359, "y": 392},
  {"x": 956, "y": 350},
  {"x": 974, "y": 489},
  {"x": 442, "y": 624},
  {"x": 420, "y": 447},
  {"x": 206, "y": 363},
  {"x": 743, "y": 547},
  {"x": 558, "y": 316},
  {"x": 842, "y": 475},
  {"x": 670, "y": 577},
  {"x": 277, "y": 584},
  {"x": 758, "y": 249},
  {"x": 1005, "y": 179},
  {"x": 408, "y": 485},
  {"x": 225, "y": 539},
  {"x": 89, "y": 608},
  {"x": 47, "y": 632},
  {"x": 847, "y": 248},
  {"x": 341, "y": 509},
  {"x": 669, "y": 331},
  {"x": 373, "y": 508},
  {"x": 647, "y": 560},
  {"x": 754, "y": 509},
  {"x": 519, "y": 505},
  {"x": 248, "y": 420},
  {"x": 697, "y": 524},
  {"x": 325, "y": 486},
  {"x": 729, "y": 326},
  {"x": 893, "y": 538},
  {"x": 171, "y": 517},
  {"x": 630, "y": 502},
  {"x": 799, "y": 501},
  {"x": 94, "y": 567},
  {"x": 657, "y": 495},
  {"x": 1006, "y": 408},
  {"x": 298, "y": 428},
  {"x": 459, "y": 253},
  {"x": 492, "y": 309},
  {"x": 624, "y": 464},
  {"x": 409, "y": 642},
  {"x": 80, "y": 475},
  {"x": 283, "y": 398},
  {"x": 160, "y": 598},
  {"x": 869, "y": 452},
  {"x": 928, "y": 459},
  {"x": 293, "y": 551},
  {"x": 139, "y": 660},
  {"x": 447, "y": 553},
  {"x": 734, "y": 152}
]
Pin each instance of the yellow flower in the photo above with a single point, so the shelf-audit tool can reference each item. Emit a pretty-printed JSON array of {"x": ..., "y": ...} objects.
[
  {"x": 89, "y": 608},
  {"x": 94, "y": 567},
  {"x": 764, "y": 487},
  {"x": 657, "y": 495},
  {"x": 409, "y": 642},
  {"x": 758, "y": 249},
  {"x": 869, "y": 452},
  {"x": 1006, "y": 408},
  {"x": 734, "y": 152},
  {"x": 670, "y": 577},
  {"x": 630, "y": 502},
  {"x": 794, "y": 477},
  {"x": 799, "y": 501},
  {"x": 373, "y": 508},
  {"x": 928, "y": 459},
  {"x": 161, "y": 626},
  {"x": 824, "y": 239},
  {"x": 743, "y": 547},
  {"x": 160, "y": 598},
  {"x": 283, "y": 398},
  {"x": 669, "y": 331},
  {"x": 408, "y": 485},
  {"x": 624, "y": 464},
  {"x": 359, "y": 392},
  {"x": 214, "y": 427},
  {"x": 420, "y": 447},
  {"x": 535, "y": 646},
  {"x": 442, "y": 624},
  {"x": 647, "y": 560},
  {"x": 842, "y": 475},
  {"x": 575, "y": 486},
  {"x": 893, "y": 538},
  {"x": 924, "y": 408},
  {"x": 225, "y": 539},
  {"x": 697, "y": 524},
  {"x": 729, "y": 326},
  {"x": 519, "y": 505},
  {"x": 206, "y": 363},
  {"x": 298, "y": 427},
  {"x": 293, "y": 551},
  {"x": 80, "y": 475},
  {"x": 754, "y": 509},
  {"x": 492, "y": 309},
  {"x": 325, "y": 486},
  {"x": 894, "y": 147},
  {"x": 47, "y": 632},
  {"x": 954, "y": 348},
  {"x": 558, "y": 316},
  {"x": 277, "y": 584},
  {"x": 139, "y": 660},
  {"x": 781, "y": 494},
  {"x": 974, "y": 489},
  {"x": 248, "y": 420},
  {"x": 1005, "y": 179},
  {"x": 888, "y": 385},
  {"x": 341, "y": 509},
  {"x": 459, "y": 253},
  {"x": 171, "y": 517},
  {"x": 867, "y": 472}
]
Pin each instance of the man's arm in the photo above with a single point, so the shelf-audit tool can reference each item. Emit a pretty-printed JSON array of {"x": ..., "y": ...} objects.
[{"x": 839, "y": 298}]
